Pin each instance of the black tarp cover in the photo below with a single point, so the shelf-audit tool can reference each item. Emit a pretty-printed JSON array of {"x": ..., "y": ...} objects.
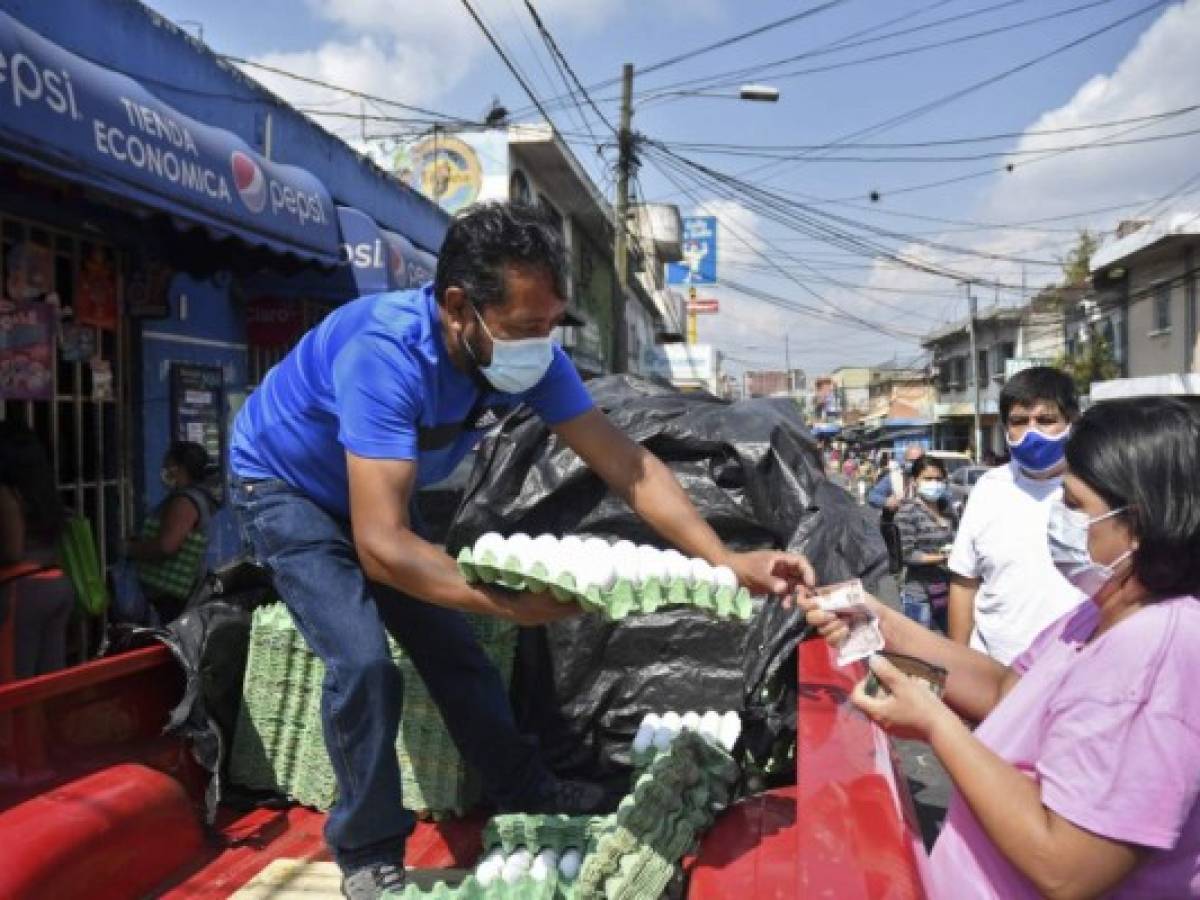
[{"x": 754, "y": 472}]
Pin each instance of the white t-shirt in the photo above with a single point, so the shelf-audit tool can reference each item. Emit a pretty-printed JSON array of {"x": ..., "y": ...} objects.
[{"x": 1002, "y": 541}]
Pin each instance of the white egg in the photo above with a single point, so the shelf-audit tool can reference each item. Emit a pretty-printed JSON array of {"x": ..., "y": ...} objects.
[
  {"x": 691, "y": 721},
  {"x": 597, "y": 556},
  {"x": 673, "y": 721},
  {"x": 569, "y": 863},
  {"x": 699, "y": 572},
  {"x": 543, "y": 865},
  {"x": 663, "y": 737},
  {"x": 651, "y": 565},
  {"x": 677, "y": 565},
  {"x": 519, "y": 546},
  {"x": 545, "y": 550},
  {"x": 651, "y": 720},
  {"x": 491, "y": 542},
  {"x": 710, "y": 724},
  {"x": 726, "y": 577},
  {"x": 731, "y": 728},
  {"x": 517, "y": 865},
  {"x": 625, "y": 560},
  {"x": 489, "y": 870},
  {"x": 570, "y": 542},
  {"x": 643, "y": 739}
]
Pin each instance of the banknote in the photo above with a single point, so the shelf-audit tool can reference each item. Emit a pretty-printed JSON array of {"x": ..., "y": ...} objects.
[{"x": 848, "y": 599}]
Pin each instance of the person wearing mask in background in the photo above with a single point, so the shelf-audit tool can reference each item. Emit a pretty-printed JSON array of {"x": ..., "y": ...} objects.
[
  {"x": 1082, "y": 777},
  {"x": 1004, "y": 588},
  {"x": 893, "y": 485},
  {"x": 926, "y": 523},
  {"x": 892, "y": 488},
  {"x": 33, "y": 590},
  {"x": 165, "y": 562}
]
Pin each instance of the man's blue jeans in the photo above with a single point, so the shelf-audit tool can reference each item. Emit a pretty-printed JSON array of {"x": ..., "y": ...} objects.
[{"x": 343, "y": 617}]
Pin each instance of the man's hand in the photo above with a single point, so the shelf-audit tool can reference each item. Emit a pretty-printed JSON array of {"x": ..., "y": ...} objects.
[
  {"x": 787, "y": 575},
  {"x": 528, "y": 609}
]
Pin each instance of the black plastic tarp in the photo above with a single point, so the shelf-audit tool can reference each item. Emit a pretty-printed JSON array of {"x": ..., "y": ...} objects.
[{"x": 754, "y": 472}]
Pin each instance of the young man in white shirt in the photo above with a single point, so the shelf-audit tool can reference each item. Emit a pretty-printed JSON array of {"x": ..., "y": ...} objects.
[{"x": 1004, "y": 589}]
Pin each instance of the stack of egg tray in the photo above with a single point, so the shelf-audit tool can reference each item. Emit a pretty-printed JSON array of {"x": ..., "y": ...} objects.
[
  {"x": 623, "y": 599},
  {"x": 278, "y": 745},
  {"x": 631, "y": 855}
]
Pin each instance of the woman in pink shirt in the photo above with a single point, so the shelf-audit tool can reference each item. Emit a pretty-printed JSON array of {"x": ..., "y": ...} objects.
[{"x": 1082, "y": 777}]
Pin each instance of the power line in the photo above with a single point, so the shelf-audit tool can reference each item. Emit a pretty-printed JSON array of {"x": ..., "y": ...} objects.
[
  {"x": 529, "y": 92},
  {"x": 304, "y": 79},
  {"x": 557, "y": 52}
]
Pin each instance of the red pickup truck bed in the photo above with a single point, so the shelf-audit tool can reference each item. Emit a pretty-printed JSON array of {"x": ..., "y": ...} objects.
[{"x": 96, "y": 802}]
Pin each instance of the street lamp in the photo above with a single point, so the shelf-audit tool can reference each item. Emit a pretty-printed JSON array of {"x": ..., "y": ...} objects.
[{"x": 751, "y": 92}]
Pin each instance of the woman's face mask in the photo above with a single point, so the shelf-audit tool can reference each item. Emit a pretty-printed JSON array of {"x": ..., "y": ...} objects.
[
  {"x": 933, "y": 491},
  {"x": 1067, "y": 536}
]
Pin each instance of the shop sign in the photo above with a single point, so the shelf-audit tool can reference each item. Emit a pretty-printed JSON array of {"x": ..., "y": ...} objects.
[
  {"x": 27, "y": 351},
  {"x": 104, "y": 121},
  {"x": 408, "y": 267},
  {"x": 273, "y": 321},
  {"x": 699, "y": 264}
]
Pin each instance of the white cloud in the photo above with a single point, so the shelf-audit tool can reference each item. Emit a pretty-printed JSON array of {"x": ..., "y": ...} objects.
[{"x": 1158, "y": 74}]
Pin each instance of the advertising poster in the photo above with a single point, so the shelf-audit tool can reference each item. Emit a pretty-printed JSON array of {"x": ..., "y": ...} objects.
[
  {"x": 27, "y": 351},
  {"x": 699, "y": 264},
  {"x": 198, "y": 407}
]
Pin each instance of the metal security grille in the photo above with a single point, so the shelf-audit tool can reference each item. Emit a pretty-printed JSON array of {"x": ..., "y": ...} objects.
[{"x": 87, "y": 438}]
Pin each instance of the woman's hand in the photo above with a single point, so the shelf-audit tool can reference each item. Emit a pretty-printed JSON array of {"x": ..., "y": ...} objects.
[{"x": 911, "y": 711}]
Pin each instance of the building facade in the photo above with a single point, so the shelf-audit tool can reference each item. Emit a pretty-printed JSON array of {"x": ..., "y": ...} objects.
[
  {"x": 160, "y": 211},
  {"x": 1146, "y": 281}
]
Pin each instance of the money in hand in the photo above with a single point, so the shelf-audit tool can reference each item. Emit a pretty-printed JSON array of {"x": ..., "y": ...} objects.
[{"x": 848, "y": 600}]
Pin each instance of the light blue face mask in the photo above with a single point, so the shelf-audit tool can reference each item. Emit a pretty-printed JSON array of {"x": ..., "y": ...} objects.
[
  {"x": 517, "y": 365},
  {"x": 933, "y": 491}
]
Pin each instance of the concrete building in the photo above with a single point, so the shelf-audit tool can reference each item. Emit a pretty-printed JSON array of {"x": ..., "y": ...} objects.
[
  {"x": 900, "y": 410},
  {"x": 853, "y": 387},
  {"x": 530, "y": 164},
  {"x": 1145, "y": 280},
  {"x": 773, "y": 383},
  {"x": 1007, "y": 339}
]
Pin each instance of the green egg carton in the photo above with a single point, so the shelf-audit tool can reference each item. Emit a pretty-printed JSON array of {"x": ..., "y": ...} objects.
[
  {"x": 542, "y": 832},
  {"x": 524, "y": 888},
  {"x": 623, "y": 599}
]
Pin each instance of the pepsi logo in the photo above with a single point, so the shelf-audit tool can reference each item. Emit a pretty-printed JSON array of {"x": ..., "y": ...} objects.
[
  {"x": 396, "y": 258},
  {"x": 249, "y": 180}
]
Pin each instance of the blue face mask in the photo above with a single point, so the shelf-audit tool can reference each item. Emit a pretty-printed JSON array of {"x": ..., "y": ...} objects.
[
  {"x": 517, "y": 365},
  {"x": 1037, "y": 452}
]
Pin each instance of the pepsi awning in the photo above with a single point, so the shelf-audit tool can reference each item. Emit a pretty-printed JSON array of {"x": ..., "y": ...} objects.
[{"x": 98, "y": 128}]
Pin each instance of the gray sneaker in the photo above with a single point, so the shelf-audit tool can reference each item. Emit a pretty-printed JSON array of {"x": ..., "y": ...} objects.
[{"x": 373, "y": 881}]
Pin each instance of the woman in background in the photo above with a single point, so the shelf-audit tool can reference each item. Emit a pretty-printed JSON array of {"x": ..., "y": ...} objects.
[
  {"x": 33, "y": 590},
  {"x": 927, "y": 524}
]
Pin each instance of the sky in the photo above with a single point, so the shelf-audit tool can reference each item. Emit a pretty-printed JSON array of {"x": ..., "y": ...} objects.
[{"x": 973, "y": 138}]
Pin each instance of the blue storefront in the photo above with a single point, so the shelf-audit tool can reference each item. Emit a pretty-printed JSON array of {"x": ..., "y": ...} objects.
[{"x": 141, "y": 233}]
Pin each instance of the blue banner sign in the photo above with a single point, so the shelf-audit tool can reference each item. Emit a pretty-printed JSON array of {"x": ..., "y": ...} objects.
[
  {"x": 91, "y": 124},
  {"x": 699, "y": 264},
  {"x": 364, "y": 252},
  {"x": 409, "y": 266}
]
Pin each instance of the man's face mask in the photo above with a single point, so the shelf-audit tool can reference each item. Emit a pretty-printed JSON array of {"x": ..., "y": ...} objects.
[{"x": 517, "y": 365}]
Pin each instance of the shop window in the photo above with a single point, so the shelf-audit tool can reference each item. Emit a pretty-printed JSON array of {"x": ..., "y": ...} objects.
[
  {"x": 519, "y": 190},
  {"x": 69, "y": 386},
  {"x": 1162, "y": 307},
  {"x": 1002, "y": 353}
]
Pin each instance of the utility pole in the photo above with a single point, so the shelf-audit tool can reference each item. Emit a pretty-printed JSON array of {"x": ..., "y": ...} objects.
[
  {"x": 973, "y": 312},
  {"x": 620, "y": 238},
  {"x": 787, "y": 364}
]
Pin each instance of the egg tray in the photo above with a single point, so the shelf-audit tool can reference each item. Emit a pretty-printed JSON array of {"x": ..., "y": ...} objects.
[
  {"x": 669, "y": 807},
  {"x": 278, "y": 743},
  {"x": 524, "y": 888},
  {"x": 545, "y": 832},
  {"x": 623, "y": 599}
]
